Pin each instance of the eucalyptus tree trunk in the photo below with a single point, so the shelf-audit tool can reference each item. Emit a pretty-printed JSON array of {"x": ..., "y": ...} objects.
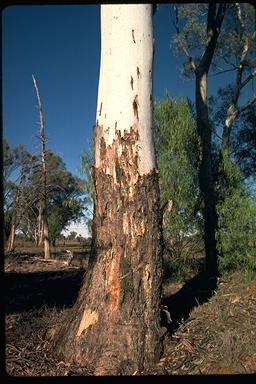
[
  {"x": 43, "y": 198},
  {"x": 206, "y": 178},
  {"x": 114, "y": 327}
]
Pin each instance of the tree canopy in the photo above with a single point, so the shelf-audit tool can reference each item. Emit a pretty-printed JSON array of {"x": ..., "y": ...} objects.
[{"x": 22, "y": 173}]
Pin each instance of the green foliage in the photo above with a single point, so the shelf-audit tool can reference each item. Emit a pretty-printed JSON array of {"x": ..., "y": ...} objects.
[
  {"x": 22, "y": 172},
  {"x": 238, "y": 28},
  {"x": 244, "y": 143},
  {"x": 175, "y": 140},
  {"x": 235, "y": 52},
  {"x": 86, "y": 161},
  {"x": 190, "y": 39},
  {"x": 237, "y": 222},
  {"x": 64, "y": 193},
  {"x": 17, "y": 163},
  {"x": 60, "y": 216}
]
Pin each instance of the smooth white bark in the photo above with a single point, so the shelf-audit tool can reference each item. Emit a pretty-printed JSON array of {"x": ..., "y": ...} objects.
[{"x": 126, "y": 78}]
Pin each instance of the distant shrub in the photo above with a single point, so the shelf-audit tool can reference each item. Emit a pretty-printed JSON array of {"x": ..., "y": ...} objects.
[
  {"x": 237, "y": 224},
  {"x": 175, "y": 139},
  {"x": 184, "y": 259}
]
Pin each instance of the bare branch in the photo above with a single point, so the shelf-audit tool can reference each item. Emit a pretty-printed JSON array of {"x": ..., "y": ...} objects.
[
  {"x": 223, "y": 57},
  {"x": 39, "y": 106},
  {"x": 238, "y": 84},
  {"x": 190, "y": 58},
  {"x": 221, "y": 72},
  {"x": 246, "y": 105},
  {"x": 249, "y": 78},
  {"x": 219, "y": 137}
]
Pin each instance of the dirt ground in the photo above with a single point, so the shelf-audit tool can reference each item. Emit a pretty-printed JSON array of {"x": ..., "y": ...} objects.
[{"x": 212, "y": 328}]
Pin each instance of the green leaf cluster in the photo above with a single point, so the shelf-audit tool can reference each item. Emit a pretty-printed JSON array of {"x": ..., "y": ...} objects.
[
  {"x": 22, "y": 173},
  {"x": 86, "y": 161},
  {"x": 176, "y": 147},
  {"x": 237, "y": 222}
]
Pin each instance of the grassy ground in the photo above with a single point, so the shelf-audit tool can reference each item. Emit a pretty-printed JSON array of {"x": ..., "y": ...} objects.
[{"x": 212, "y": 329}]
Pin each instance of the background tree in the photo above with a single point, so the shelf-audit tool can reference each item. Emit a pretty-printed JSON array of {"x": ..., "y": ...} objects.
[
  {"x": 240, "y": 55},
  {"x": 19, "y": 202},
  {"x": 7, "y": 188},
  {"x": 22, "y": 179},
  {"x": 11, "y": 160},
  {"x": 176, "y": 147},
  {"x": 244, "y": 143},
  {"x": 72, "y": 235},
  {"x": 237, "y": 223},
  {"x": 43, "y": 192},
  {"x": 203, "y": 38},
  {"x": 230, "y": 46},
  {"x": 16, "y": 168},
  {"x": 64, "y": 197},
  {"x": 86, "y": 162},
  {"x": 115, "y": 323}
]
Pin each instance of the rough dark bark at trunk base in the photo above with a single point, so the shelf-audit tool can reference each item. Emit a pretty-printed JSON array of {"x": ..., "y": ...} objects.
[{"x": 115, "y": 324}]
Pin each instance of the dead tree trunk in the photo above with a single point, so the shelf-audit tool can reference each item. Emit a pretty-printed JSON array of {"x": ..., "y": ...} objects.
[
  {"x": 40, "y": 226},
  {"x": 43, "y": 176},
  {"x": 114, "y": 326}
]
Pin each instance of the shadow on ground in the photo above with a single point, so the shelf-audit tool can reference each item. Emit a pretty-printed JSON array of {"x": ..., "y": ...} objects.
[
  {"x": 196, "y": 291},
  {"x": 25, "y": 291}
]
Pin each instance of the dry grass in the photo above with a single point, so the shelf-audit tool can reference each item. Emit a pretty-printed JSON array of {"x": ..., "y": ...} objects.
[
  {"x": 27, "y": 342},
  {"x": 217, "y": 338}
]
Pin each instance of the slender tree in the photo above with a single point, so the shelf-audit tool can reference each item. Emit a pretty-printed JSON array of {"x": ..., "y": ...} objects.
[
  {"x": 15, "y": 160},
  {"x": 175, "y": 139},
  {"x": 115, "y": 324},
  {"x": 229, "y": 47},
  {"x": 200, "y": 67},
  {"x": 245, "y": 70},
  {"x": 43, "y": 199},
  {"x": 17, "y": 209}
]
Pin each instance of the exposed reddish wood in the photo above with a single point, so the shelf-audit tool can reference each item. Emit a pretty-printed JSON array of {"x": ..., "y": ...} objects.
[{"x": 115, "y": 323}]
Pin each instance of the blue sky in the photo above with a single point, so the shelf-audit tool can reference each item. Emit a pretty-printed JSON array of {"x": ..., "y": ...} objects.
[{"x": 60, "y": 45}]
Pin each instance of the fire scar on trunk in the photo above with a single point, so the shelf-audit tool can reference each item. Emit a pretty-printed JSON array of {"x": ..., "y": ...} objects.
[
  {"x": 89, "y": 317},
  {"x": 120, "y": 159},
  {"x": 113, "y": 285}
]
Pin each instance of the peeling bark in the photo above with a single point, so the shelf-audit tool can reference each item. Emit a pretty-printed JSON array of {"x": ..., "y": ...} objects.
[
  {"x": 11, "y": 238},
  {"x": 115, "y": 324}
]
